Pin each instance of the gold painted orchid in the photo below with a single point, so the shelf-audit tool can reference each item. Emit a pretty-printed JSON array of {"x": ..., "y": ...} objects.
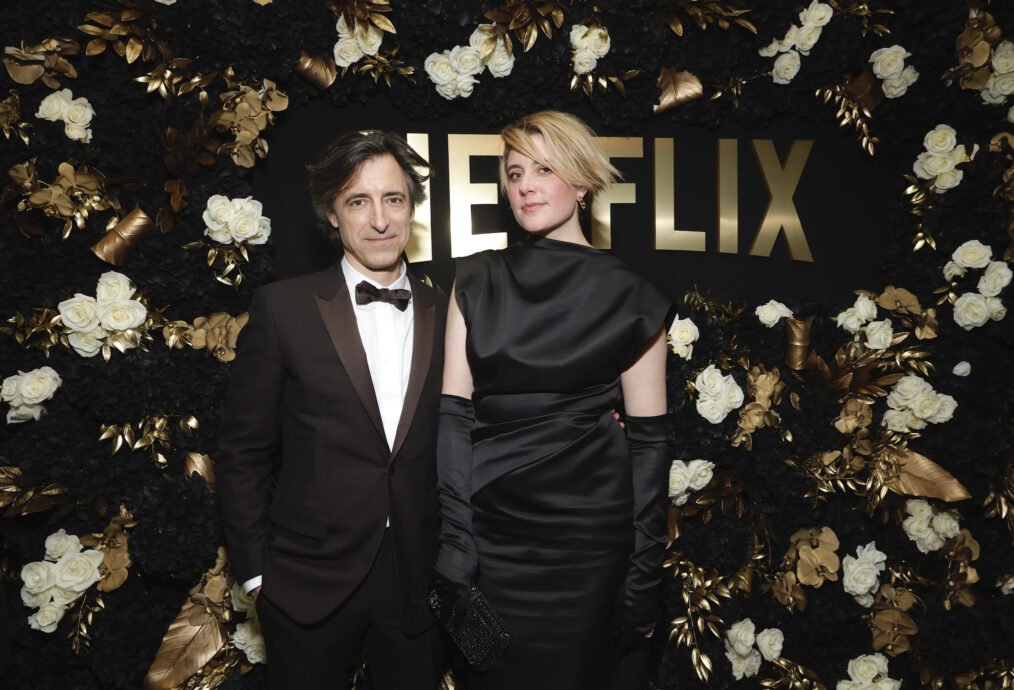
[
  {"x": 10, "y": 118},
  {"x": 72, "y": 196},
  {"x": 42, "y": 61},
  {"x": 216, "y": 333},
  {"x": 245, "y": 113}
]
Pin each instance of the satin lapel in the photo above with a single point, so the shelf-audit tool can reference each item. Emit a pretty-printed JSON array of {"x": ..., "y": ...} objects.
[
  {"x": 424, "y": 321},
  {"x": 340, "y": 322}
]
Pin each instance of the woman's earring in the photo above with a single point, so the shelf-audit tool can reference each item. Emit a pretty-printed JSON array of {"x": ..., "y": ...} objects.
[{"x": 581, "y": 202}]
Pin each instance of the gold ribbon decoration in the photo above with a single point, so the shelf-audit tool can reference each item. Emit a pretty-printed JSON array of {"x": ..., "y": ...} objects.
[
  {"x": 797, "y": 342},
  {"x": 318, "y": 70},
  {"x": 119, "y": 243}
]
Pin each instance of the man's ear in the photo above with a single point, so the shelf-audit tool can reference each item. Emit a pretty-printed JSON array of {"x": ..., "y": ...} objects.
[{"x": 332, "y": 219}]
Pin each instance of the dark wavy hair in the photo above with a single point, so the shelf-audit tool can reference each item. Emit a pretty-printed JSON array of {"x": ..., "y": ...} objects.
[{"x": 335, "y": 170}]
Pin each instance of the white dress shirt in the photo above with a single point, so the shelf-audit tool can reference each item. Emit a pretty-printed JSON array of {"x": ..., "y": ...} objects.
[{"x": 386, "y": 335}]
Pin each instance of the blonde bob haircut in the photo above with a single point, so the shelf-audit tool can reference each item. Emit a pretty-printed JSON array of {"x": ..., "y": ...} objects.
[{"x": 569, "y": 146}]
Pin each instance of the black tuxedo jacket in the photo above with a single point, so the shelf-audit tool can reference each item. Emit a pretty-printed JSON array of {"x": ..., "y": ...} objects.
[{"x": 302, "y": 413}]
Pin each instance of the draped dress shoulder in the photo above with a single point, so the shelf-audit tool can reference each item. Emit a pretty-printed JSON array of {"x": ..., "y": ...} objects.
[{"x": 551, "y": 326}]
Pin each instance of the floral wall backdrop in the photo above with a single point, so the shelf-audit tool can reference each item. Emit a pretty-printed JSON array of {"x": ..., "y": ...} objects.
[{"x": 843, "y": 472}]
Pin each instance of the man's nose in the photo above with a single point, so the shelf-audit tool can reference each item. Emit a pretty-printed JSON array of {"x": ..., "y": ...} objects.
[{"x": 380, "y": 218}]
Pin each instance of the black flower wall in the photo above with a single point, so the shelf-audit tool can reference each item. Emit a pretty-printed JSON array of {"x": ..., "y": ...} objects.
[{"x": 844, "y": 474}]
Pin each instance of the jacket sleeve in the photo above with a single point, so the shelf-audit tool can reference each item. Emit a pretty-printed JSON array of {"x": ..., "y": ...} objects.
[{"x": 249, "y": 438}]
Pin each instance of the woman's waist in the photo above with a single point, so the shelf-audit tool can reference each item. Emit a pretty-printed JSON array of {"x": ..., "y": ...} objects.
[{"x": 534, "y": 407}]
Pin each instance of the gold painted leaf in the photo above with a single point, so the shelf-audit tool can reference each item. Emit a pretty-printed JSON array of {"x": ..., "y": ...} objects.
[
  {"x": 382, "y": 22},
  {"x": 678, "y": 87},
  {"x": 920, "y": 476},
  {"x": 185, "y": 649}
]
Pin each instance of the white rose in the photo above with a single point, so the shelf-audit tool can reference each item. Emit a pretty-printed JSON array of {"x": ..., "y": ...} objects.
[
  {"x": 463, "y": 85},
  {"x": 59, "y": 544},
  {"x": 953, "y": 270},
  {"x": 679, "y": 478},
  {"x": 996, "y": 277},
  {"x": 465, "y": 60},
  {"x": 87, "y": 344},
  {"x": 439, "y": 68},
  {"x": 931, "y": 165},
  {"x": 989, "y": 93},
  {"x": 681, "y": 500},
  {"x": 770, "y": 642},
  {"x": 11, "y": 391},
  {"x": 1010, "y": 114},
  {"x": 786, "y": 67},
  {"x": 683, "y": 331},
  {"x": 1003, "y": 84},
  {"x": 879, "y": 334},
  {"x": 480, "y": 35},
  {"x": 46, "y": 618},
  {"x": 122, "y": 314},
  {"x": 1007, "y": 587},
  {"x": 681, "y": 350},
  {"x": 24, "y": 413},
  {"x": 930, "y": 541},
  {"x": 37, "y": 599},
  {"x": 962, "y": 368},
  {"x": 710, "y": 382},
  {"x": 78, "y": 133},
  {"x": 346, "y": 51},
  {"x": 895, "y": 420},
  {"x": 732, "y": 394},
  {"x": 871, "y": 554},
  {"x": 908, "y": 388},
  {"x": 920, "y": 531},
  {"x": 1003, "y": 57},
  {"x": 246, "y": 205},
  {"x": 946, "y": 410},
  {"x": 940, "y": 140},
  {"x": 919, "y": 508},
  {"x": 63, "y": 597},
  {"x": 996, "y": 309},
  {"x": 38, "y": 385},
  {"x": 501, "y": 62},
  {"x": 54, "y": 107},
  {"x": 971, "y": 310},
  {"x": 817, "y": 14},
  {"x": 78, "y": 571},
  {"x": 948, "y": 180},
  {"x": 868, "y": 668},
  {"x": 701, "y": 472},
  {"x": 770, "y": 312},
  {"x": 889, "y": 62},
  {"x": 113, "y": 286},
  {"x": 741, "y": 636},
  {"x": 370, "y": 40},
  {"x": 342, "y": 27},
  {"x": 807, "y": 39},
  {"x": 241, "y": 601},
  {"x": 38, "y": 576},
  {"x": 449, "y": 90},
  {"x": 770, "y": 50},
  {"x": 712, "y": 410},
  {"x": 584, "y": 61},
  {"x": 743, "y": 666},
  {"x": 249, "y": 640},
  {"x": 219, "y": 233},
  {"x": 263, "y": 231},
  {"x": 865, "y": 307},
  {"x": 577, "y": 36},
  {"x": 915, "y": 421},
  {"x": 79, "y": 113},
  {"x": 859, "y": 576},
  {"x": 926, "y": 405},
  {"x": 218, "y": 212},
  {"x": 895, "y": 87},
  {"x": 597, "y": 41},
  {"x": 79, "y": 313},
  {"x": 864, "y": 600},
  {"x": 909, "y": 76},
  {"x": 946, "y": 525},
  {"x": 849, "y": 320},
  {"x": 788, "y": 41},
  {"x": 243, "y": 225}
]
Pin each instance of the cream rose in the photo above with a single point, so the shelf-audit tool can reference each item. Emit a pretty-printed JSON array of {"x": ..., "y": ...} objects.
[
  {"x": 962, "y": 368},
  {"x": 953, "y": 270},
  {"x": 996, "y": 277},
  {"x": 989, "y": 93},
  {"x": 501, "y": 62},
  {"x": 895, "y": 420},
  {"x": 122, "y": 314},
  {"x": 449, "y": 90},
  {"x": 908, "y": 388},
  {"x": 865, "y": 307},
  {"x": 679, "y": 478},
  {"x": 919, "y": 530},
  {"x": 481, "y": 34},
  {"x": 940, "y": 140},
  {"x": 770, "y": 50},
  {"x": 681, "y": 350},
  {"x": 948, "y": 180},
  {"x": 342, "y": 27},
  {"x": 741, "y": 636},
  {"x": 79, "y": 571},
  {"x": 926, "y": 405},
  {"x": 945, "y": 411},
  {"x": 743, "y": 665},
  {"x": 577, "y": 36},
  {"x": 996, "y": 309},
  {"x": 859, "y": 576},
  {"x": 769, "y": 642},
  {"x": 249, "y": 640},
  {"x": 879, "y": 334},
  {"x": 464, "y": 84},
  {"x": 597, "y": 41},
  {"x": 971, "y": 310},
  {"x": 38, "y": 385},
  {"x": 683, "y": 331},
  {"x": 24, "y": 413},
  {"x": 370, "y": 40},
  {"x": 786, "y": 67},
  {"x": 79, "y": 313},
  {"x": 807, "y": 38},
  {"x": 788, "y": 41},
  {"x": 1010, "y": 114},
  {"x": 1003, "y": 57},
  {"x": 243, "y": 225},
  {"x": 919, "y": 508},
  {"x": 710, "y": 382},
  {"x": 1003, "y": 84},
  {"x": 78, "y": 133},
  {"x": 113, "y": 286},
  {"x": 894, "y": 87},
  {"x": 946, "y": 525},
  {"x": 38, "y": 576},
  {"x": 732, "y": 394},
  {"x": 219, "y": 234},
  {"x": 63, "y": 597},
  {"x": 888, "y": 62},
  {"x": 771, "y": 312},
  {"x": 439, "y": 68},
  {"x": 868, "y": 668},
  {"x": 59, "y": 544},
  {"x": 701, "y": 472},
  {"x": 465, "y": 60},
  {"x": 263, "y": 231},
  {"x": 711, "y": 409},
  {"x": 46, "y": 618},
  {"x": 87, "y": 344},
  {"x": 346, "y": 51},
  {"x": 54, "y": 107},
  {"x": 79, "y": 113},
  {"x": 218, "y": 212},
  {"x": 849, "y": 320},
  {"x": 870, "y": 553},
  {"x": 11, "y": 390},
  {"x": 931, "y": 165},
  {"x": 817, "y": 14},
  {"x": 584, "y": 61},
  {"x": 35, "y": 600},
  {"x": 972, "y": 254}
]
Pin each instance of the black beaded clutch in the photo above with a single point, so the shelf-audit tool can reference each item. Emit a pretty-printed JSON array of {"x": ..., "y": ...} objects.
[{"x": 473, "y": 624}]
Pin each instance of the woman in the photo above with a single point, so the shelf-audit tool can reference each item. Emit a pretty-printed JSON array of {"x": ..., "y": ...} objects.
[{"x": 553, "y": 510}]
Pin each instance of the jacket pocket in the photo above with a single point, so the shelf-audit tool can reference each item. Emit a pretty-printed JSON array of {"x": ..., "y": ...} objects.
[{"x": 302, "y": 521}]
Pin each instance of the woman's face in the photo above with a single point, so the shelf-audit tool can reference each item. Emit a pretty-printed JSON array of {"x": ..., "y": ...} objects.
[{"x": 542, "y": 202}]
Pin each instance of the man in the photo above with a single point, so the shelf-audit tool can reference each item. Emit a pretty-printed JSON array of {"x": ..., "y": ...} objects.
[{"x": 334, "y": 393}]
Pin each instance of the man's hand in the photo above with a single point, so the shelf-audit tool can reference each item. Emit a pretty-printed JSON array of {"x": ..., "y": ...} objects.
[{"x": 255, "y": 592}]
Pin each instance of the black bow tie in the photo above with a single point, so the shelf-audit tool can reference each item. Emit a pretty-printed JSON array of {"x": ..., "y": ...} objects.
[{"x": 366, "y": 293}]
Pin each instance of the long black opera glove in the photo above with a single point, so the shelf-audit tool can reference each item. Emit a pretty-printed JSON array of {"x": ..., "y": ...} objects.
[
  {"x": 639, "y": 600},
  {"x": 457, "y": 559}
]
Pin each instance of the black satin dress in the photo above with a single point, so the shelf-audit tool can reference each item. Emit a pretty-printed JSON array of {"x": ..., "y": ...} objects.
[{"x": 551, "y": 325}]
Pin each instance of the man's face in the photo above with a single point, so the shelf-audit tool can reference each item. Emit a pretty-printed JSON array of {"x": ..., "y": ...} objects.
[{"x": 374, "y": 218}]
